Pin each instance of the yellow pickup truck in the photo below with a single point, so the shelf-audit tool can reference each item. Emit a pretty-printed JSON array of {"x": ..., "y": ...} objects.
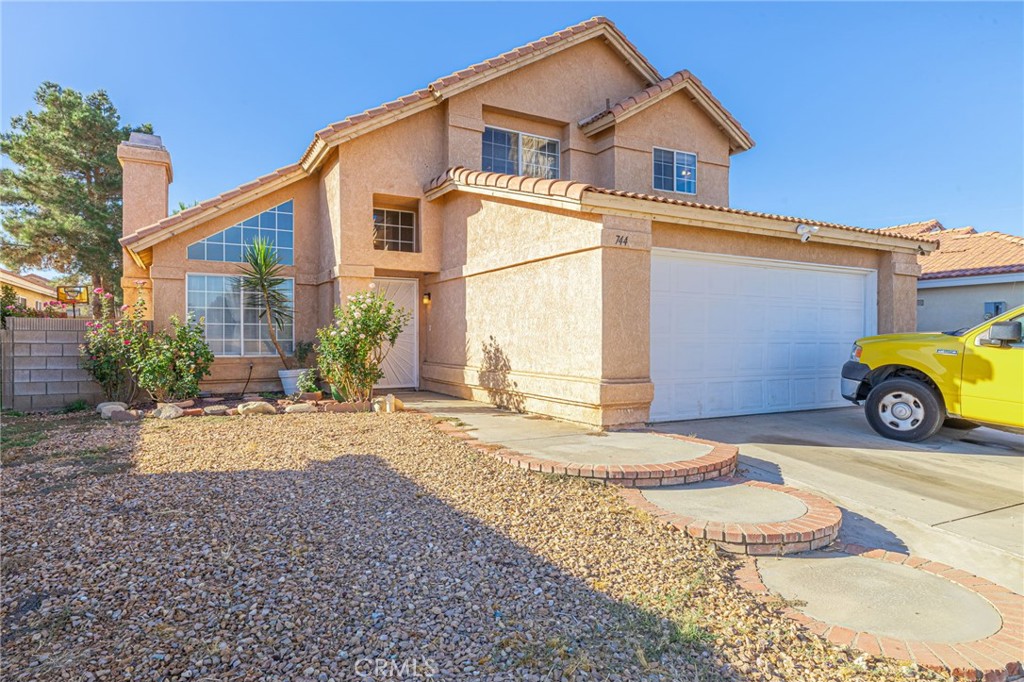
[{"x": 912, "y": 383}]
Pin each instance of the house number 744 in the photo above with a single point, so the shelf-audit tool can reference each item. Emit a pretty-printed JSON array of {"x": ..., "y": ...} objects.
[{"x": 622, "y": 240}]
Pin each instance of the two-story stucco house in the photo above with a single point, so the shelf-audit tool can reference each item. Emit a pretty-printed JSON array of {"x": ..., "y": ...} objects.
[{"x": 557, "y": 219}]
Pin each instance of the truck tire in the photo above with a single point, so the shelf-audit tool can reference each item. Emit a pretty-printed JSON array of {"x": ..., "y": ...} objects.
[{"x": 904, "y": 409}]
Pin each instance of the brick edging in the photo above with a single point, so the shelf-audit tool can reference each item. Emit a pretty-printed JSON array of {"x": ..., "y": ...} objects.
[
  {"x": 721, "y": 461},
  {"x": 816, "y": 528},
  {"x": 994, "y": 659}
]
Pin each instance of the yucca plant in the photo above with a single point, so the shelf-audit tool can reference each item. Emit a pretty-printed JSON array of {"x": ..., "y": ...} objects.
[{"x": 260, "y": 283}]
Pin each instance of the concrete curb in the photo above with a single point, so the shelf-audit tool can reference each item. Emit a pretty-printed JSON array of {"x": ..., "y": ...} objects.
[
  {"x": 995, "y": 658},
  {"x": 817, "y": 528}
]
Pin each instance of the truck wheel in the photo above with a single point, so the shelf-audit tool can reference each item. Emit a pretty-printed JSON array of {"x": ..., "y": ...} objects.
[{"x": 904, "y": 409}]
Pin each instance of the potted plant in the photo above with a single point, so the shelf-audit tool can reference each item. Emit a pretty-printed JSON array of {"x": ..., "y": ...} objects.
[{"x": 260, "y": 283}]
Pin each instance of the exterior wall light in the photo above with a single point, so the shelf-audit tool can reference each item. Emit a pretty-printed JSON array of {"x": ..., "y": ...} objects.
[{"x": 426, "y": 298}]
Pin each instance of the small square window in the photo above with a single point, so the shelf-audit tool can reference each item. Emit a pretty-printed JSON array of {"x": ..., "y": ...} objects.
[
  {"x": 994, "y": 309},
  {"x": 675, "y": 171},
  {"x": 394, "y": 230}
]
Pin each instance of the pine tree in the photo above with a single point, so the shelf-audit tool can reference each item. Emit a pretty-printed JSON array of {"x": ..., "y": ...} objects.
[{"x": 61, "y": 200}]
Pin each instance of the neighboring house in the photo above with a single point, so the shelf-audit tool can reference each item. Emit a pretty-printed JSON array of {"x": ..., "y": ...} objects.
[
  {"x": 557, "y": 221},
  {"x": 33, "y": 291},
  {"x": 969, "y": 278}
]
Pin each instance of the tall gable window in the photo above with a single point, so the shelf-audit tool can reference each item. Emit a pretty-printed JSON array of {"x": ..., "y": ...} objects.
[
  {"x": 515, "y": 153},
  {"x": 394, "y": 230},
  {"x": 274, "y": 225},
  {"x": 675, "y": 171}
]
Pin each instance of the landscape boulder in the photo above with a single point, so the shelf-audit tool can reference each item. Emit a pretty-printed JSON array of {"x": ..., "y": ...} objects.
[
  {"x": 168, "y": 411},
  {"x": 299, "y": 408},
  {"x": 111, "y": 409},
  {"x": 258, "y": 407},
  {"x": 99, "y": 408},
  {"x": 215, "y": 410}
]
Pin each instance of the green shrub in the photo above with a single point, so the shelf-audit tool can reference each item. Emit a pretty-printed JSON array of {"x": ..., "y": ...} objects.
[
  {"x": 111, "y": 346},
  {"x": 171, "y": 365},
  {"x": 351, "y": 351},
  {"x": 307, "y": 381}
]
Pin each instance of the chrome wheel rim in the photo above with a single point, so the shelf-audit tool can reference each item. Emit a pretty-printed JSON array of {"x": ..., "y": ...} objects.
[{"x": 901, "y": 410}]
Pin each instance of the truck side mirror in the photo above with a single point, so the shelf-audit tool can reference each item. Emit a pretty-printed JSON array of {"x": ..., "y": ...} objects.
[{"x": 1005, "y": 332}]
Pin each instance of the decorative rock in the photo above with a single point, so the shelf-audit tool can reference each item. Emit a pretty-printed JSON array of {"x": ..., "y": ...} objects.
[
  {"x": 168, "y": 411},
  {"x": 194, "y": 412},
  {"x": 125, "y": 416},
  {"x": 285, "y": 401},
  {"x": 99, "y": 408},
  {"x": 399, "y": 406},
  {"x": 111, "y": 409},
  {"x": 299, "y": 408},
  {"x": 387, "y": 403},
  {"x": 257, "y": 407},
  {"x": 232, "y": 412},
  {"x": 215, "y": 410},
  {"x": 316, "y": 395},
  {"x": 185, "y": 404}
]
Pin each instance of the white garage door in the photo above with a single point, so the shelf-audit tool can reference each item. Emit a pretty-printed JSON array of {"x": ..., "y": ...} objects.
[
  {"x": 401, "y": 366},
  {"x": 736, "y": 336}
]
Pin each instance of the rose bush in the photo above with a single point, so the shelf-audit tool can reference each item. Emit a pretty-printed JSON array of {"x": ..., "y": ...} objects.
[
  {"x": 111, "y": 346},
  {"x": 170, "y": 366},
  {"x": 122, "y": 355},
  {"x": 350, "y": 352}
]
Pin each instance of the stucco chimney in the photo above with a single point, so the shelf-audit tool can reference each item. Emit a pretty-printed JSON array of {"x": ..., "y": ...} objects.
[{"x": 147, "y": 175}]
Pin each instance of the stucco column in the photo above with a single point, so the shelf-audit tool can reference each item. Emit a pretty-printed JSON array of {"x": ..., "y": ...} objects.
[
  {"x": 897, "y": 292},
  {"x": 626, "y": 311},
  {"x": 147, "y": 174}
]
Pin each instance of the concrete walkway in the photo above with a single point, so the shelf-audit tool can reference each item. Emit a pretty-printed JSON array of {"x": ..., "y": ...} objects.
[{"x": 555, "y": 440}]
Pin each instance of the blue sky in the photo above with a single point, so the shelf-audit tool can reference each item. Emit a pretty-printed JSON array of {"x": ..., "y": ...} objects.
[{"x": 869, "y": 114}]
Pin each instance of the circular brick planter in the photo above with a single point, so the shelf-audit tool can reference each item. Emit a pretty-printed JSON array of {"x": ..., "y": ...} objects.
[
  {"x": 995, "y": 658},
  {"x": 720, "y": 461},
  {"x": 815, "y": 529}
]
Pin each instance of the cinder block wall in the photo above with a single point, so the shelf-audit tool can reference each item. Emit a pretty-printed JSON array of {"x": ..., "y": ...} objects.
[{"x": 40, "y": 364}]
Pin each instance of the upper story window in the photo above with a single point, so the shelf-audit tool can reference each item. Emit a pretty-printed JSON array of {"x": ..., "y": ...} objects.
[
  {"x": 675, "y": 171},
  {"x": 395, "y": 230},
  {"x": 274, "y": 225},
  {"x": 515, "y": 153}
]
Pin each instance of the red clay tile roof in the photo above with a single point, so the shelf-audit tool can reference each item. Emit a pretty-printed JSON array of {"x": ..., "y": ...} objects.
[
  {"x": 518, "y": 183},
  {"x": 667, "y": 84},
  {"x": 965, "y": 252},
  {"x": 577, "y": 190},
  {"x": 438, "y": 85},
  {"x": 915, "y": 229},
  {"x": 193, "y": 211}
]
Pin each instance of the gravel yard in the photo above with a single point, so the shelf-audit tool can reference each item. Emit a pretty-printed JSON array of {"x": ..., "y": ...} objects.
[{"x": 356, "y": 546}]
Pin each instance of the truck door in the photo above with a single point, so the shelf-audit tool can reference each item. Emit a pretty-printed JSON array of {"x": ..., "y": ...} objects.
[{"x": 992, "y": 386}]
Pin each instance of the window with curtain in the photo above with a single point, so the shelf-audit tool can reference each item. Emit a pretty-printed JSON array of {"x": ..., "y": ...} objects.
[
  {"x": 233, "y": 326},
  {"x": 675, "y": 171},
  {"x": 515, "y": 153},
  {"x": 274, "y": 225}
]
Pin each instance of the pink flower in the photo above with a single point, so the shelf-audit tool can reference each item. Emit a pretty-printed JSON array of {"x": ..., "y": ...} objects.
[
  {"x": 127, "y": 342},
  {"x": 124, "y": 307},
  {"x": 97, "y": 290}
]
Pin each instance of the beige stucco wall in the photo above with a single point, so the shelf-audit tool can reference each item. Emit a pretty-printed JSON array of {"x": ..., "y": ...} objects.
[
  {"x": 955, "y": 307},
  {"x": 518, "y": 314},
  {"x": 31, "y": 297},
  {"x": 673, "y": 123}
]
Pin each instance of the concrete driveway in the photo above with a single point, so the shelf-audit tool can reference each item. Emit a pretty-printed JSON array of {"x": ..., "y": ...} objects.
[{"x": 957, "y": 498}]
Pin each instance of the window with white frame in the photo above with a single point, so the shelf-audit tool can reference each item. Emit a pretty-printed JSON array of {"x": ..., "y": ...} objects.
[
  {"x": 515, "y": 153},
  {"x": 233, "y": 325},
  {"x": 675, "y": 171},
  {"x": 394, "y": 230},
  {"x": 274, "y": 225}
]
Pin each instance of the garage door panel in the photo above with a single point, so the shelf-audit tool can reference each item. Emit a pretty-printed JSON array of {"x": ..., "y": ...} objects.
[{"x": 749, "y": 336}]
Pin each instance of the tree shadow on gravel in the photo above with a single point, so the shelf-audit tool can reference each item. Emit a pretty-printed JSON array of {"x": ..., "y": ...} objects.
[{"x": 344, "y": 569}]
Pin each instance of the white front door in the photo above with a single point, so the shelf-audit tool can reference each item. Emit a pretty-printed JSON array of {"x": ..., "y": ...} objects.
[
  {"x": 402, "y": 366},
  {"x": 734, "y": 335}
]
